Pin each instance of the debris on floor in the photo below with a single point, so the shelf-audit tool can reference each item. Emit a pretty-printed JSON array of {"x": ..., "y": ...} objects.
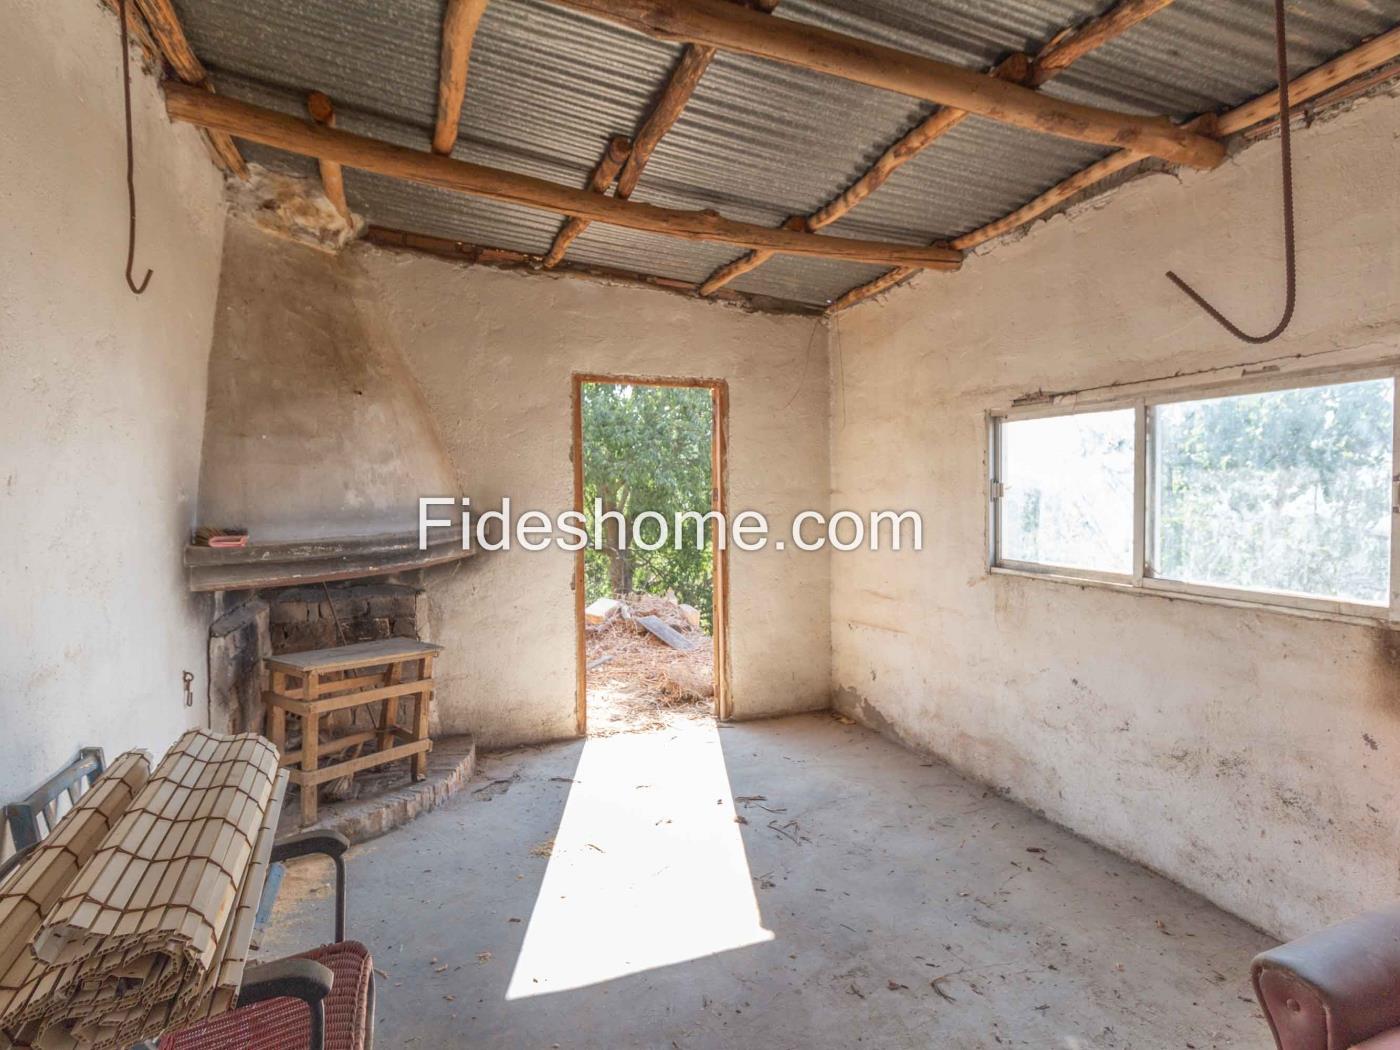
[{"x": 647, "y": 659}]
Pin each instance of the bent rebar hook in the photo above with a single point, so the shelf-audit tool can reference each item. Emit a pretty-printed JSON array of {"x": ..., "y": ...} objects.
[
  {"x": 1291, "y": 273},
  {"x": 137, "y": 289}
]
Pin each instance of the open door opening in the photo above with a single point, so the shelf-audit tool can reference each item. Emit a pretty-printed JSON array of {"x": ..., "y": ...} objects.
[{"x": 649, "y": 588}]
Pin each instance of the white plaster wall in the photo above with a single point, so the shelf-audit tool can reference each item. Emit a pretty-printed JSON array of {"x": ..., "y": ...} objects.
[
  {"x": 494, "y": 353},
  {"x": 101, "y": 397},
  {"x": 1251, "y": 755}
]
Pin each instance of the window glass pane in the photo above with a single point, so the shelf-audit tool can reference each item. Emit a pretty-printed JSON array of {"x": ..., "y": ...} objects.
[
  {"x": 1067, "y": 496},
  {"x": 1281, "y": 491}
]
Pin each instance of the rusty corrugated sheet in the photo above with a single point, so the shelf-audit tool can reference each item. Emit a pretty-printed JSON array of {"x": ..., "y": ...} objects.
[{"x": 759, "y": 141}]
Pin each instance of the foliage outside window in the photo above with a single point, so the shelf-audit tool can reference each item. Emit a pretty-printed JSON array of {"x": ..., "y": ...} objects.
[
  {"x": 647, "y": 448},
  {"x": 1281, "y": 493}
]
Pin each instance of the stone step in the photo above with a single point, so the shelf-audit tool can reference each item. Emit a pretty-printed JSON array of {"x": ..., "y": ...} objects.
[{"x": 388, "y": 799}]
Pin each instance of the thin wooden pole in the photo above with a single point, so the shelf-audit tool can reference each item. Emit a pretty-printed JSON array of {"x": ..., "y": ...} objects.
[
  {"x": 670, "y": 104},
  {"x": 618, "y": 149},
  {"x": 1356, "y": 62},
  {"x": 322, "y": 112},
  {"x": 719, "y": 606},
  {"x": 729, "y": 27},
  {"x": 580, "y": 569},
  {"x": 257, "y": 124},
  {"x": 1064, "y": 49},
  {"x": 1070, "y": 45},
  {"x": 170, "y": 37},
  {"x": 520, "y": 262},
  {"x": 459, "y": 25}
]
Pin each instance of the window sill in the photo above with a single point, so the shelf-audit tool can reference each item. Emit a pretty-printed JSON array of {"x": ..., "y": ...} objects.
[{"x": 1183, "y": 592}]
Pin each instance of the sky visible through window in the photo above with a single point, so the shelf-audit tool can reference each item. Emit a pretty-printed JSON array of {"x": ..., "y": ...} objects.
[{"x": 1068, "y": 491}]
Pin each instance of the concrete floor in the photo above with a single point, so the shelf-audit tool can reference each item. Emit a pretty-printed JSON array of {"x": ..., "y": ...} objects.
[{"x": 789, "y": 884}]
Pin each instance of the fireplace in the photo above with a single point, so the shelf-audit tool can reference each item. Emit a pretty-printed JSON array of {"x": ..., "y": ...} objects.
[{"x": 253, "y": 625}]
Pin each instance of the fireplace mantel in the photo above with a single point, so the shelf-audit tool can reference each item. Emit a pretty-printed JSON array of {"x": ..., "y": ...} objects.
[{"x": 314, "y": 561}]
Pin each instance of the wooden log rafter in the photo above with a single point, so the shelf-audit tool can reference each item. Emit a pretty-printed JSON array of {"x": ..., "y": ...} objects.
[
  {"x": 730, "y": 27},
  {"x": 257, "y": 124},
  {"x": 615, "y": 155},
  {"x": 1326, "y": 78},
  {"x": 459, "y": 25},
  {"x": 1063, "y": 50},
  {"x": 165, "y": 29},
  {"x": 523, "y": 262},
  {"x": 322, "y": 111},
  {"x": 669, "y": 105}
]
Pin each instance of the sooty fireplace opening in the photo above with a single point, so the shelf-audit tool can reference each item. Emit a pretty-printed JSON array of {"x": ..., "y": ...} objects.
[{"x": 253, "y": 625}]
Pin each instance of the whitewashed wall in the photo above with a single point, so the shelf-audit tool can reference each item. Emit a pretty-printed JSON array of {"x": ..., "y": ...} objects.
[
  {"x": 101, "y": 397},
  {"x": 1251, "y": 755}
]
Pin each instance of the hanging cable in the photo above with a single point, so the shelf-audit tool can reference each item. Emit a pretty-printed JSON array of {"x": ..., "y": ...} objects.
[
  {"x": 1290, "y": 267},
  {"x": 137, "y": 289}
]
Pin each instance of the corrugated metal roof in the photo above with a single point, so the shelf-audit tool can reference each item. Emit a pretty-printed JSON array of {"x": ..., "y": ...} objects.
[{"x": 759, "y": 141}]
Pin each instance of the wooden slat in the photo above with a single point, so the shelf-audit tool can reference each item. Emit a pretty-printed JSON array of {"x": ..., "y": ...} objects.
[
  {"x": 1360, "y": 60},
  {"x": 868, "y": 290},
  {"x": 276, "y": 129},
  {"x": 1076, "y": 183},
  {"x": 306, "y": 778},
  {"x": 728, "y": 27},
  {"x": 422, "y": 703},
  {"x": 363, "y": 681},
  {"x": 331, "y": 747},
  {"x": 925, "y": 134},
  {"x": 519, "y": 262},
  {"x": 1071, "y": 45},
  {"x": 1066, "y": 47},
  {"x": 615, "y": 155},
  {"x": 326, "y": 704},
  {"x": 1016, "y": 69},
  {"x": 170, "y": 37},
  {"x": 670, "y": 103},
  {"x": 322, "y": 112},
  {"x": 745, "y": 263},
  {"x": 349, "y": 657},
  {"x": 310, "y": 747},
  {"x": 681, "y": 84},
  {"x": 459, "y": 25}
]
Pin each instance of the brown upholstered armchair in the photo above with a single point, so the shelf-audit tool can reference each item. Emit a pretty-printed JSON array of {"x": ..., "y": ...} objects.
[{"x": 1336, "y": 989}]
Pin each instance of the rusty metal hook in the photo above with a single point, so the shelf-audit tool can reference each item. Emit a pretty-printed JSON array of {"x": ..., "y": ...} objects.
[
  {"x": 1291, "y": 272},
  {"x": 136, "y": 289}
]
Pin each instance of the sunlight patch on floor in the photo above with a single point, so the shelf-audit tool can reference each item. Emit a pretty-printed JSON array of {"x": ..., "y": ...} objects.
[{"x": 647, "y": 868}]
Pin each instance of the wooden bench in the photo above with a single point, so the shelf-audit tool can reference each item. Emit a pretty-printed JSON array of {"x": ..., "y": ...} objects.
[{"x": 314, "y": 684}]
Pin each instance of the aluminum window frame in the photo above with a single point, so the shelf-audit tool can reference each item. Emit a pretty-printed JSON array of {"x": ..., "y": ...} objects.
[{"x": 1142, "y": 579}]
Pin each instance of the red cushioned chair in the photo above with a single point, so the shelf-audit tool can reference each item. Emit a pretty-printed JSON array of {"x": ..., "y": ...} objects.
[
  {"x": 319, "y": 1000},
  {"x": 1337, "y": 989}
]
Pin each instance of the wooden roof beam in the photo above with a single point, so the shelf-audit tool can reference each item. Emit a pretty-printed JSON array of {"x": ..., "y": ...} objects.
[
  {"x": 925, "y": 134},
  {"x": 169, "y": 36},
  {"x": 1359, "y": 61},
  {"x": 1070, "y": 45},
  {"x": 730, "y": 27},
  {"x": 615, "y": 155},
  {"x": 459, "y": 25},
  {"x": 271, "y": 128},
  {"x": 521, "y": 262},
  {"x": 662, "y": 116},
  {"x": 1064, "y": 49}
]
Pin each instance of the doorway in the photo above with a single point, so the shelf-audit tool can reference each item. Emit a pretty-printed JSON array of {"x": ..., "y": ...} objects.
[{"x": 650, "y": 622}]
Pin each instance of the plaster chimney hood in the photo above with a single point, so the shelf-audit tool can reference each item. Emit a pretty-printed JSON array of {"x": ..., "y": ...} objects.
[{"x": 316, "y": 438}]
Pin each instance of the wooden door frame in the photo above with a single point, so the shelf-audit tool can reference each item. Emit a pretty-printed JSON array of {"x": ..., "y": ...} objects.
[{"x": 719, "y": 501}]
